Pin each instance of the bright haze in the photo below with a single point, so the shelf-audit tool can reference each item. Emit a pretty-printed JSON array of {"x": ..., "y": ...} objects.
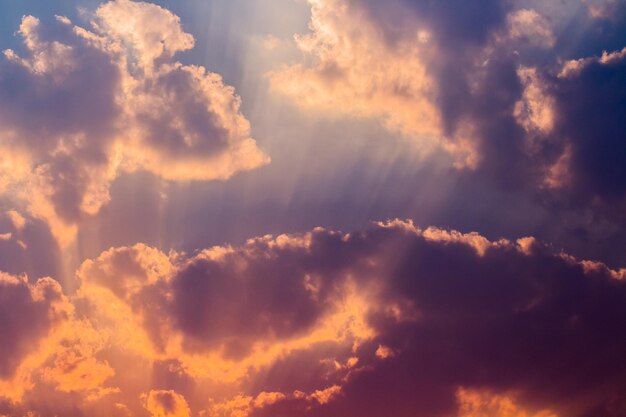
[{"x": 313, "y": 208}]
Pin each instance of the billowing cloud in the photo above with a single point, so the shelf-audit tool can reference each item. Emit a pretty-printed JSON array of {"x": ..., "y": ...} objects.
[
  {"x": 397, "y": 63},
  {"x": 591, "y": 98},
  {"x": 393, "y": 319},
  {"x": 461, "y": 312},
  {"x": 480, "y": 403},
  {"x": 390, "y": 320},
  {"x": 530, "y": 26},
  {"x": 31, "y": 316},
  {"x": 602, "y": 8},
  {"x": 356, "y": 72},
  {"x": 84, "y": 105},
  {"x": 166, "y": 404},
  {"x": 240, "y": 308},
  {"x": 27, "y": 313},
  {"x": 487, "y": 82}
]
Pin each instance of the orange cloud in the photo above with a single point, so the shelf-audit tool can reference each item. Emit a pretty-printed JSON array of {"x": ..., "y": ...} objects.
[
  {"x": 476, "y": 403},
  {"x": 528, "y": 25},
  {"x": 360, "y": 65},
  {"x": 315, "y": 324},
  {"x": 357, "y": 73},
  {"x": 30, "y": 317},
  {"x": 163, "y": 403}
]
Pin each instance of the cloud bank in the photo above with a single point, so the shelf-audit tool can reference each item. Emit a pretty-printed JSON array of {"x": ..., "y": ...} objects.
[{"x": 393, "y": 319}]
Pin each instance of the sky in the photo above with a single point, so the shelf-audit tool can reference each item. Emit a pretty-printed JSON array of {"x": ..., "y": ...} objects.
[{"x": 313, "y": 208}]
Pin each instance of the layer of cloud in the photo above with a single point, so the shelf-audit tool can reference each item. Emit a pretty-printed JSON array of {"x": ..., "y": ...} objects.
[
  {"x": 83, "y": 105},
  {"x": 390, "y": 320}
]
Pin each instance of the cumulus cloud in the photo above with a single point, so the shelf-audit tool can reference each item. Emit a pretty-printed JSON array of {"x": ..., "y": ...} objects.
[
  {"x": 249, "y": 305},
  {"x": 27, "y": 314},
  {"x": 528, "y": 25},
  {"x": 87, "y": 104},
  {"x": 590, "y": 99},
  {"x": 480, "y": 403},
  {"x": 487, "y": 82},
  {"x": 392, "y": 319},
  {"x": 356, "y": 72},
  {"x": 397, "y": 64},
  {"x": 166, "y": 404},
  {"x": 435, "y": 73},
  {"x": 31, "y": 317},
  {"x": 480, "y": 315},
  {"x": 602, "y": 8},
  {"x": 535, "y": 110}
]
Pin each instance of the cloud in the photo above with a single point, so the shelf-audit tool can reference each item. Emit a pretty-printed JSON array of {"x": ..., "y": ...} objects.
[
  {"x": 590, "y": 98},
  {"x": 391, "y": 319},
  {"x": 166, "y": 404},
  {"x": 29, "y": 313},
  {"x": 602, "y": 8},
  {"x": 87, "y": 104},
  {"x": 356, "y": 72},
  {"x": 486, "y": 82},
  {"x": 18, "y": 221},
  {"x": 535, "y": 110},
  {"x": 477, "y": 403},
  {"x": 243, "y": 405},
  {"x": 224, "y": 310},
  {"x": 530, "y": 26},
  {"x": 398, "y": 64},
  {"x": 479, "y": 315}
]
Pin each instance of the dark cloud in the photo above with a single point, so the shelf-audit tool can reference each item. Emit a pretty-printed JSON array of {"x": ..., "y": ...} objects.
[
  {"x": 31, "y": 248},
  {"x": 27, "y": 314},
  {"x": 531, "y": 322},
  {"x": 588, "y": 106},
  {"x": 229, "y": 302},
  {"x": 456, "y": 24},
  {"x": 591, "y": 105},
  {"x": 486, "y": 74}
]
